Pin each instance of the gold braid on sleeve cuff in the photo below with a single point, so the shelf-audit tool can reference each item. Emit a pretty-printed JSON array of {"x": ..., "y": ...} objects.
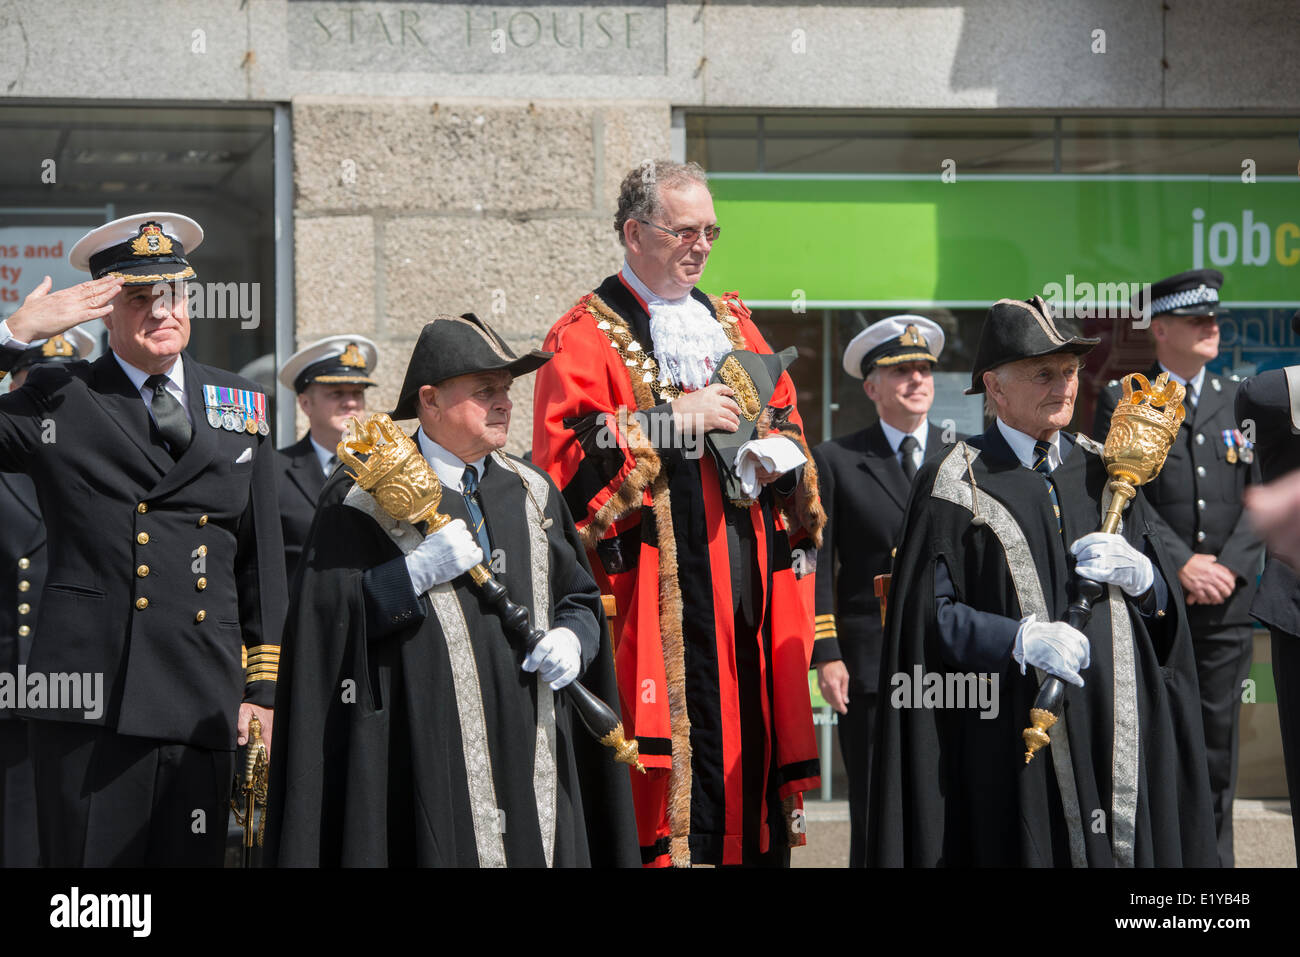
[
  {"x": 263, "y": 664},
  {"x": 825, "y": 627}
]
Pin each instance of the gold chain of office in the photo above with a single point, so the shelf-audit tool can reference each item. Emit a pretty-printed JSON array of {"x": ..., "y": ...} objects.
[{"x": 636, "y": 358}]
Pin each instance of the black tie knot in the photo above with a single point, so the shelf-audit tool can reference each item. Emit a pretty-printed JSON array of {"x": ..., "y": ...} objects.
[
  {"x": 155, "y": 381},
  {"x": 908, "y": 446}
]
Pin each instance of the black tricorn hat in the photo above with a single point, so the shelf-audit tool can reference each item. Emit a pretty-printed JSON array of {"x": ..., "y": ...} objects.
[
  {"x": 1015, "y": 329},
  {"x": 458, "y": 345}
]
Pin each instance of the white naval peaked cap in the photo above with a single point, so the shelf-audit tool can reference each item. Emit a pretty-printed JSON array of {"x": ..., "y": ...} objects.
[
  {"x": 140, "y": 248},
  {"x": 895, "y": 339},
  {"x": 343, "y": 358}
]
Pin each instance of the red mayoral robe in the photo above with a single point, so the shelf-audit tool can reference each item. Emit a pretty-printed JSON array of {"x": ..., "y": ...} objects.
[{"x": 713, "y": 600}]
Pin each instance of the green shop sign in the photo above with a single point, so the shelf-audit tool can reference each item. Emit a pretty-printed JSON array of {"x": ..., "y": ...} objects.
[{"x": 884, "y": 241}]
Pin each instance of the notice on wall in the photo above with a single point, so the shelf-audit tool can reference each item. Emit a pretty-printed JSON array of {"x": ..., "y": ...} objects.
[{"x": 30, "y": 253}]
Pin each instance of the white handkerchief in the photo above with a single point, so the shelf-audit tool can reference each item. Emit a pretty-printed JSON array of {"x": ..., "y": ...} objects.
[
  {"x": 775, "y": 453},
  {"x": 245, "y": 456}
]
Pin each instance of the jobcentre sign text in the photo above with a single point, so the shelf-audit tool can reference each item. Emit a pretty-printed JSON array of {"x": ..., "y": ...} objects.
[{"x": 916, "y": 241}]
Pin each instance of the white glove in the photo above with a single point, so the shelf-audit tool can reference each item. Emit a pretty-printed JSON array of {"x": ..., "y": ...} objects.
[
  {"x": 448, "y": 552},
  {"x": 557, "y": 658},
  {"x": 1110, "y": 558},
  {"x": 776, "y": 453},
  {"x": 1053, "y": 646}
]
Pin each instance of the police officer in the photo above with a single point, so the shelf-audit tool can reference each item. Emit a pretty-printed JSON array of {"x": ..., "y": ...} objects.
[
  {"x": 330, "y": 377},
  {"x": 155, "y": 476},
  {"x": 22, "y": 553},
  {"x": 1198, "y": 496},
  {"x": 864, "y": 481}
]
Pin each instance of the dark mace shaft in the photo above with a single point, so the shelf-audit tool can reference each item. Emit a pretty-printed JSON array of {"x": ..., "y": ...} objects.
[
  {"x": 1051, "y": 693},
  {"x": 598, "y": 717}
]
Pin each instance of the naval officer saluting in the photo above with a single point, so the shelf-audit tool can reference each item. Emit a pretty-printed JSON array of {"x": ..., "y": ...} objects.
[
  {"x": 330, "y": 378},
  {"x": 156, "y": 479}
]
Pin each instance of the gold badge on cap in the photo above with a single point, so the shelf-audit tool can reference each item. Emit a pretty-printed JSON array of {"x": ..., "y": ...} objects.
[
  {"x": 912, "y": 337},
  {"x": 352, "y": 357},
  {"x": 151, "y": 241},
  {"x": 57, "y": 346}
]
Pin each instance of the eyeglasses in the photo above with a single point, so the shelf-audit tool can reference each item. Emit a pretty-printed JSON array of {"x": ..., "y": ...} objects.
[{"x": 689, "y": 236}]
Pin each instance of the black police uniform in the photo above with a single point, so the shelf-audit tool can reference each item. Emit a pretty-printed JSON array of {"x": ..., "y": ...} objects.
[
  {"x": 23, "y": 563},
  {"x": 299, "y": 480},
  {"x": 1265, "y": 401},
  {"x": 1198, "y": 498},
  {"x": 158, "y": 569},
  {"x": 864, "y": 492}
]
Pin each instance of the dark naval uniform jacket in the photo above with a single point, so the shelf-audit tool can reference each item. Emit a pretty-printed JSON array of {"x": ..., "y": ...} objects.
[
  {"x": 158, "y": 568},
  {"x": 1198, "y": 494},
  {"x": 23, "y": 564},
  {"x": 1266, "y": 400},
  {"x": 864, "y": 493},
  {"x": 299, "y": 481}
]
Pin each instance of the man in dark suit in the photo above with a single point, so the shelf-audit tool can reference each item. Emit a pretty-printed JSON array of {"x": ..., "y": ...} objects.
[
  {"x": 330, "y": 378},
  {"x": 22, "y": 550},
  {"x": 156, "y": 480},
  {"x": 1201, "y": 521},
  {"x": 1268, "y": 408},
  {"x": 864, "y": 480}
]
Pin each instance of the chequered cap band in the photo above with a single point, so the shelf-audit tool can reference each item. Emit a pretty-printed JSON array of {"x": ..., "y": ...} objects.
[{"x": 1187, "y": 297}]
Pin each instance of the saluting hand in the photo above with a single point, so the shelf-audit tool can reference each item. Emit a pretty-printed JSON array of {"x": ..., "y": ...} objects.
[{"x": 44, "y": 314}]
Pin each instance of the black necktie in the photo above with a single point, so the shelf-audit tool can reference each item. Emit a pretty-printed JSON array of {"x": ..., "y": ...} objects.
[
  {"x": 908, "y": 446},
  {"x": 1041, "y": 449},
  {"x": 170, "y": 417},
  {"x": 469, "y": 488}
]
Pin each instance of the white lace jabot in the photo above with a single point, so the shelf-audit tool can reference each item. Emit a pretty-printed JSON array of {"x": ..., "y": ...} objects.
[{"x": 688, "y": 342}]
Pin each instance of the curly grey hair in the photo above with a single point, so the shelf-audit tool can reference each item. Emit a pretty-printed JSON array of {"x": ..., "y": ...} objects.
[{"x": 638, "y": 195}]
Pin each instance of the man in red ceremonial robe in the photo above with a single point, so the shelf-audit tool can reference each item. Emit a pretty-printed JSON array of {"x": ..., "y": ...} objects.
[{"x": 712, "y": 616}]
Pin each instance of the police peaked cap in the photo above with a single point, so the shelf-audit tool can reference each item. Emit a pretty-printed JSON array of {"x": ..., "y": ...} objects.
[
  {"x": 1191, "y": 293},
  {"x": 1015, "y": 329},
  {"x": 450, "y": 346}
]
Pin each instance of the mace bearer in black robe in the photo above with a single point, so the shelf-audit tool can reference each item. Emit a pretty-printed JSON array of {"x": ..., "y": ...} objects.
[
  {"x": 999, "y": 531},
  {"x": 404, "y": 485}
]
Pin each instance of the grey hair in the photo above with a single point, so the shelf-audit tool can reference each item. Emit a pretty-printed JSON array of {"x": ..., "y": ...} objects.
[{"x": 639, "y": 193}]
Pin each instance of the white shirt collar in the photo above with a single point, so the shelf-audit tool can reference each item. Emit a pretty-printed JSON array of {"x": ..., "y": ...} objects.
[
  {"x": 1195, "y": 382},
  {"x": 644, "y": 291},
  {"x": 175, "y": 377},
  {"x": 449, "y": 469},
  {"x": 1023, "y": 446},
  {"x": 895, "y": 436},
  {"x": 323, "y": 455}
]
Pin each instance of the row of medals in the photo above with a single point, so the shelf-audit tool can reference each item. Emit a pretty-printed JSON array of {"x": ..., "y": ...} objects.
[{"x": 234, "y": 420}]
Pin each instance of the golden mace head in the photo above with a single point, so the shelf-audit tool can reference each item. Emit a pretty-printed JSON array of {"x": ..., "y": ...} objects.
[
  {"x": 394, "y": 471},
  {"x": 1143, "y": 427}
]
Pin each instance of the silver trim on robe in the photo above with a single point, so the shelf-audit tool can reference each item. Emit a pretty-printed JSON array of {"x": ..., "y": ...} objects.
[{"x": 539, "y": 555}]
